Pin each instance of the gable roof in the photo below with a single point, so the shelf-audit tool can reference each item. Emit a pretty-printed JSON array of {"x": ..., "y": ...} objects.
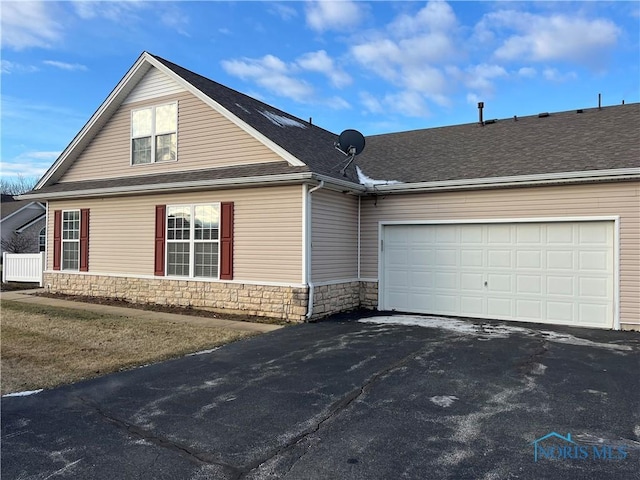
[
  {"x": 594, "y": 140},
  {"x": 299, "y": 143}
]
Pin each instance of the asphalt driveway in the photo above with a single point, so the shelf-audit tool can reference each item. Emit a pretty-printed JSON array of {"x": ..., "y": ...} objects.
[{"x": 347, "y": 399}]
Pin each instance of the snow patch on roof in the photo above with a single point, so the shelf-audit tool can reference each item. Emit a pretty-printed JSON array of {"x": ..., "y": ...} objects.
[
  {"x": 242, "y": 108},
  {"x": 22, "y": 394},
  {"x": 364, "y": 180},
  {"x": 281, "y": 121}
]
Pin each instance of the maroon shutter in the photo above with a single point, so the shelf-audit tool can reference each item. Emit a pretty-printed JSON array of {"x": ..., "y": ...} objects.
[
  {"x": 84, "y": 240},
  {"x": 57, "y": 239},
  {"x": 161, "y": 213},
  {"x": 226, "y": 241}
]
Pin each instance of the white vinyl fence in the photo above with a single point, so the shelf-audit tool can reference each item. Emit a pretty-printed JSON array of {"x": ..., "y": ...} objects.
[{"x": 23, "y": 267}]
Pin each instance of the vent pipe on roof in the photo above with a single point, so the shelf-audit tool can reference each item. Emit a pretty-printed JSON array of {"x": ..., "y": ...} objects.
[
  {"x": 310, "y": 120},
  {"x": 480, "y": 107},
  {"x": 599, "y": 101}
]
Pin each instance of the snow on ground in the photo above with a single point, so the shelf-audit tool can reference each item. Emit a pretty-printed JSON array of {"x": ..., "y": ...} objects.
[
  {"x": 444, "y": 400},
  {"x": 202, "y": 352},
  {"x": 23, "y": 394},
  {"x": 364, "y": 180},
  {"x": 486, "y": 331}
]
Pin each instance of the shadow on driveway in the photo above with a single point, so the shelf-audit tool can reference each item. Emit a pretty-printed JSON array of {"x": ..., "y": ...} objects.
[{"x": 349, "y": 400}]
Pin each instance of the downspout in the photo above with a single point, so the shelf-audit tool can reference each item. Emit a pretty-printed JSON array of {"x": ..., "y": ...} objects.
[
  {"x": 359, "y": 198},
  {"x": 308, "y": 233}
]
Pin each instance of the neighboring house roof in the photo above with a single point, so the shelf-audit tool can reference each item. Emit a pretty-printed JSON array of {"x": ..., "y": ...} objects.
[
  {"x": 9, "y": 206},
  {"x": 31, "y": 222},
  {"x": 595, "y": 144},
  {"x": 596, "y": 139}
]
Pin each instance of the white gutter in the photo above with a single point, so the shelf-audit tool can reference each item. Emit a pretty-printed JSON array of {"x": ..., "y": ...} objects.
[
  {"x": 308, "y": 246},
  {"x": 359, "y": 201},
  {"x": 519, "y": 180}
]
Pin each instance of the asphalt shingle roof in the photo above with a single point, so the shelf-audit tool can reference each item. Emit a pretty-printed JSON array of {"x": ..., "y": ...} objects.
[
  {"x": 596, "y": 139},
  {"x": 309, "y": 143}
]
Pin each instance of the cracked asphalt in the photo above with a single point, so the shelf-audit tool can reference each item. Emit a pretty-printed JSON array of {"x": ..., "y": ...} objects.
[{"x": 344, "y": 399}]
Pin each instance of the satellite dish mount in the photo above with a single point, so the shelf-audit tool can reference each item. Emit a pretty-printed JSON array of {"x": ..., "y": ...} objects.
[{"x": 350, "y": 143}]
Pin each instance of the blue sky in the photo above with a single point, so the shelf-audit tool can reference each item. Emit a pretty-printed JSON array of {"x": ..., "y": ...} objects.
[{"x": 373, "y": 66}]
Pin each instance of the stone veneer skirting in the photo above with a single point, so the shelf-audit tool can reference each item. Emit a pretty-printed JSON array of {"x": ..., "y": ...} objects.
[{"x": 288, "y": 303}]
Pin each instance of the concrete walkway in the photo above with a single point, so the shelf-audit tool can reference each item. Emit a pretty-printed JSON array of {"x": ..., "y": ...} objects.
[{"x": 27, "y": 296}]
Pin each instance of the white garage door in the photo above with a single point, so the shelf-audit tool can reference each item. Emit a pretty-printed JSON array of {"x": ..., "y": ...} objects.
[{"x": 554, "y": 272}]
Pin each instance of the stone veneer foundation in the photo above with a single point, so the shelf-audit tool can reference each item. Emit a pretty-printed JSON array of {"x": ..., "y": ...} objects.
[{"x": 288, "y": 303}]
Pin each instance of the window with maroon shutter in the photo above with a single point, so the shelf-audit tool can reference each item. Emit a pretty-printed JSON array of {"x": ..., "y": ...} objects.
[
  {"x": 226, "y": 241},
  {"x": 57, "y": 239},
  {"x": 84, "y": 240},
  {"x": 159, "y": 248}
]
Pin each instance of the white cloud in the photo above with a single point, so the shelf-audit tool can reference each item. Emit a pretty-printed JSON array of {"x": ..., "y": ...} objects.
[
  {"x": 553, "y": 75},
  {"x": 435, "y": 16},
  {"x": 116, "y": 11},
  {"x": 285, "y": 12},
  {"x": 334, "y": 15},
  {"x": 271, "y": 73},
  {"x": 479, "y": 77},
  {"x": 370, "y": 103},
  {"x": 29, "y": 24},
  {"x": 65, "y": 65},
  {"x": 28, "y": 164},
  {"x": 551, "y": 37},
  {"x": 8, "y": 67},
  {"x": 321, "y": 62},
  {"x": 407, "y": 102},
  {"x": 527, "y": 72},
  {"x": 175, "y": 19},
  {"x": 412, "y": 51}
]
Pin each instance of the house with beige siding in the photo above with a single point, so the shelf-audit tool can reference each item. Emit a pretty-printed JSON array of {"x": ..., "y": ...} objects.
[{"x": 182, "y": 191}]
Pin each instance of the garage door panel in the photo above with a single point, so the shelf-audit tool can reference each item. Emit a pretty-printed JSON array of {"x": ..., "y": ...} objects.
[
  {"x": 593, "y": 260},
  {"x": 499, "y": 259},
  {"x": 556, "y": 272},
  {"x": 471, "y": 282},
  {"x": 561, "y": 312},
  {"x": 561, "y": 259},
  {"x": 528, "y": 259},
  {"x": 561, "y": 285},
  {"x": 529, "y": 284}
]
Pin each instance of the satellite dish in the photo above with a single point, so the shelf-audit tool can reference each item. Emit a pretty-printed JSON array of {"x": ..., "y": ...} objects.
[{"x": 351, "y": 143}]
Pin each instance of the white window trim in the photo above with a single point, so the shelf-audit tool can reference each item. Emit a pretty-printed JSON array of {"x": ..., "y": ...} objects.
[
  {"x": 70, "y": 240},
  {"x": 192, "y": 241},
  {"x": 41, "y": 237},
  {"x": 153, "y": 134}
]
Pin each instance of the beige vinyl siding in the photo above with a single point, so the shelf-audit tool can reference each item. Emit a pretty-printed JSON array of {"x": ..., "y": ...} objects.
[
  {"x": 267, "y": 231},
  {"x": 206, "y": 139},
  {"x": 593, "y": 200},
  {"x": 334, "y": 241},
  {"x": 154, "y": 84}
]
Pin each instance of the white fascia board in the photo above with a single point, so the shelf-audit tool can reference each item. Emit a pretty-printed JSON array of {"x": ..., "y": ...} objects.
[
  {"x": 277, "y": 149},
  {"x": 115, "y": 98},
  {"x": 519, "y": 180},
  {"x": 181, "y": 186},
  {"x": 261, "y": 181}
]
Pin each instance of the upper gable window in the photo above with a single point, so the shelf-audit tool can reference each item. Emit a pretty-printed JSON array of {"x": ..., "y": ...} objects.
[{"x": 154, "y": 134}]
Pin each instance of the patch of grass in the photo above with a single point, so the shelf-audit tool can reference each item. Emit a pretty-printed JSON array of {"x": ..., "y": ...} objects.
[{"x": 45, "y": 346}]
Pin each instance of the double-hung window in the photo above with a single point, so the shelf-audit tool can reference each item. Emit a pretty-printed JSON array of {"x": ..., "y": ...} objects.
[
  {"x": 193, "y": 247},
  {"x": 70, "y": 239},
  {"x": 154, "y": 134}
]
